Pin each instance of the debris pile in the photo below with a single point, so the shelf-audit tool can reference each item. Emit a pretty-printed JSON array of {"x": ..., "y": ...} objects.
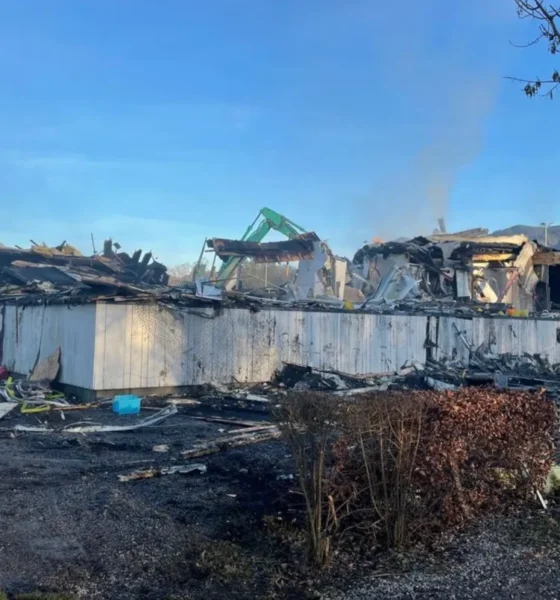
[
  {"x": 445, "y": 273},
  {"x": 63, "y": 272},
  {"x": 300, "y": 378},
  {"x": 33, "y": 396},
  {"x": 505, "y": 371},
  {"x": 466, "y": 268}
]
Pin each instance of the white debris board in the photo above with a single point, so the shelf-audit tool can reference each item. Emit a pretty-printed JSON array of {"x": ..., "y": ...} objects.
[{"x": 6, "y": 407}]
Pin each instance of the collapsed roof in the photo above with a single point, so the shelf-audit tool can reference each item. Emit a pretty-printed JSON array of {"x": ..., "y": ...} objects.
[
  {"x": 468, "y": 266},
  {"x": 61, "y": 274},
  {"x": 299, "y": 248},
  {"x": 63, "y": 271}
]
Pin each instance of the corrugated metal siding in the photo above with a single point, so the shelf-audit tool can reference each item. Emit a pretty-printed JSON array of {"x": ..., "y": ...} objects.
[
  {"x": 150, "y": 346},
  {"x": 518, "y": 336},
  {"x": 31, "y": 333}
]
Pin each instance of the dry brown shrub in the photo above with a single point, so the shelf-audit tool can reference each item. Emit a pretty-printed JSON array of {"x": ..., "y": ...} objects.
[
  {"x": 483, "y": 449},
  {"x": 396, "y": 467}
]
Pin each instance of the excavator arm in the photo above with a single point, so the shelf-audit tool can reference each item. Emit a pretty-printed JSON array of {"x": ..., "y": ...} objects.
[{"x": 269, "y": 219}]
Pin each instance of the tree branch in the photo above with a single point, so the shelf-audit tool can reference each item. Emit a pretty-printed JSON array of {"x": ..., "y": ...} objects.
[
  {"x": 548, "y": 17},
  {"x": 533, "y": 86},
  {"x": 529, "y": 44},
  {"x": 549, "y": 29},
  {"x": 532, "y": 81}
]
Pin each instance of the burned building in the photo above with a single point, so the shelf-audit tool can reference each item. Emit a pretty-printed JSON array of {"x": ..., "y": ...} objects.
[
  {"x": 468, "y": 268},
  {"x": 319, "y": 274},
  {"x": 120, "y": 326}
]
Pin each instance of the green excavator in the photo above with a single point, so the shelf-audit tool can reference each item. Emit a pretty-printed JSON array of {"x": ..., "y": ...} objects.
[{"x": 269, "y": 219}]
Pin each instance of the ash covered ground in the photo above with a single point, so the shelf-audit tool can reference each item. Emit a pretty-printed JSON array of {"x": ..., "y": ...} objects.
[{"x": 69, "y": 525}]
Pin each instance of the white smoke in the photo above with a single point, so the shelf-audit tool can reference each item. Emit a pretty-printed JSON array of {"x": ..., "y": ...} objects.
[{"x": 447, "y": 60}]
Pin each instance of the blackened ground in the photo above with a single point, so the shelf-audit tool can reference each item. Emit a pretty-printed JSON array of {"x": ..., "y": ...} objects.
[{"x": 67, "y": 524}]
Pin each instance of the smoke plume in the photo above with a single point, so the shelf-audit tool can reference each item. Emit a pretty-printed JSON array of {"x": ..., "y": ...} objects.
[{"x": 444, "y": 63}]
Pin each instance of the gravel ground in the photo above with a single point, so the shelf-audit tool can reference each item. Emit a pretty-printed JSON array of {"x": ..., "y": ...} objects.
[
  {"x": 69, "y": 525},
  {"x": 502, "y": 558}
]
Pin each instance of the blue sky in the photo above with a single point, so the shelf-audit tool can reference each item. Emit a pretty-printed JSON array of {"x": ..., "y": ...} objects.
[{"x": 160, "y": 123}]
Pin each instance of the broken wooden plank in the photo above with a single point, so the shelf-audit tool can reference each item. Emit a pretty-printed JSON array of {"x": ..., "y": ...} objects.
[
  {"x": 158, "y": 471},
  {"x": 160, "y": 448},
  {"x": 356, "y": 391},
  {"x": 47, "y": 369},
  {"x": 493, "y": 257},
  {"x": 232, "y": 441},
  {"x": 175, "y": 401},
  {"x": 546, "y": 258},
  {"x": 225, "y": 421},
  {"x": 251, "y": 398},
  {"x": 184, "y": 401},
  {"x": 253, "y": 429},
  {"x": 6, "y": 407}
]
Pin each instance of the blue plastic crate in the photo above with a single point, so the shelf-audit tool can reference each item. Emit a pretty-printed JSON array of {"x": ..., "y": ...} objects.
[{"x": 126, "y": 404}]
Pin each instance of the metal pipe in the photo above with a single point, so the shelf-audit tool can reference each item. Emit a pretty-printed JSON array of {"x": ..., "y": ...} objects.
[{"x": 195, "y": 270}]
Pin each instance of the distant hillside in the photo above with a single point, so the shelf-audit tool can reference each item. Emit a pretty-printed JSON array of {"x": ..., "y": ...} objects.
[{"x": 534, "y": 233}]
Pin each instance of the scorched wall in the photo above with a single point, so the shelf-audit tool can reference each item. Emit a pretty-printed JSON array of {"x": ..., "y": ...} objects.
[
  {"x": 30, "y": 333},
  {"x": 110, "y": 347},
  {"x": 144, "y": 346}
]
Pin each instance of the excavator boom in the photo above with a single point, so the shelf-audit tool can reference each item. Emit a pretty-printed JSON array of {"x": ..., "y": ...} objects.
[{"x": 267, "y": 219}]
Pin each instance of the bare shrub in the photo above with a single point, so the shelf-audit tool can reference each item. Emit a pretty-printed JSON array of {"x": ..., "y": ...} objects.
[
  {"x": 375, "y": 462},
  {"x": 308, "y": 421}
]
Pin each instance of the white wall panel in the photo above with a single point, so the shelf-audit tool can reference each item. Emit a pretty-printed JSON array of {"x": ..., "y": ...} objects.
[
  {"x": 126, "y": 346},
  {"x": 518, "y": 336},
  {"x": 31, "y": 333},
  {"x": 454, "y": 335},
  {"x": 150, "y": 346}
]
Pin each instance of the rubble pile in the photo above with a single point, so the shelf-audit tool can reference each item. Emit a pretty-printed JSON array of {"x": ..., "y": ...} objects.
[
  {"x": 445, "y": 273},
  {"x": 505, "y": 371},
  {"x": 63, "y": 272},
  {"x": 463, "y": 269}
]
